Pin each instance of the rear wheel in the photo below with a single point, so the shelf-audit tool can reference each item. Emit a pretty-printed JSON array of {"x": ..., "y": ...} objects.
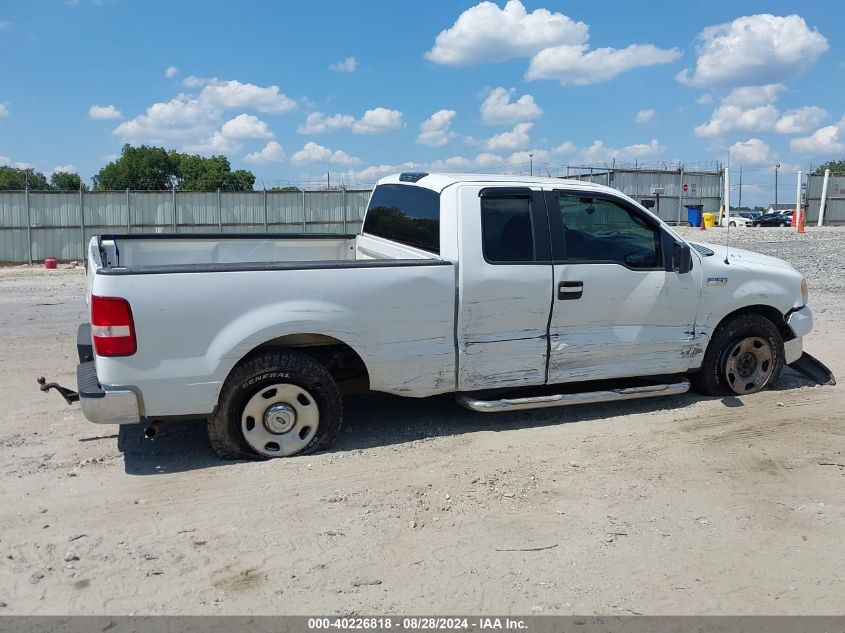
[
  {"x": 745, "y": 356},
  {"x": 276, "y": 404},
  {"x": 732, "y": 224}
]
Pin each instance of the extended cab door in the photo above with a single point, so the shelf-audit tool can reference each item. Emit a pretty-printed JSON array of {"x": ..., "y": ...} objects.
[
  {"x": 619, "y": 309},
  {"x": 505, "y": 286}
]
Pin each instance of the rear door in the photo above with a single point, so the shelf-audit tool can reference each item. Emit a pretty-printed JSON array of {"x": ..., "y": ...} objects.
[
  {"x": 505, "y": 286},
  {"x": 618, "y": 311}
]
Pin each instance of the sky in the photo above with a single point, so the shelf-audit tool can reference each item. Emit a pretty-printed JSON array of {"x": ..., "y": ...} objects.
[{"x": 297, "y": 90}]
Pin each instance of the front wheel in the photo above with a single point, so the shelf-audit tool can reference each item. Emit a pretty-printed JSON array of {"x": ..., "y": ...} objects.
[
  {"x": 732, "y": 225},
  {"x": 745, "y": 355},
  {"x": 276, "y": 404}
]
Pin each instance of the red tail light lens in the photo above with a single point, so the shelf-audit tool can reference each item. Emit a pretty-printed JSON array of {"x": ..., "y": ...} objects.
[{"x": 112, "y": 327}]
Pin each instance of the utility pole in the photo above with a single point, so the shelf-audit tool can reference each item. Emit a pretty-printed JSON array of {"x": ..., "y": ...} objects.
[
  {"x": 328, "y": 180},
  {"x": 776, "y": 185},
  {"x": 739, "y": 206},
  {"x": 531, "y": 162}
]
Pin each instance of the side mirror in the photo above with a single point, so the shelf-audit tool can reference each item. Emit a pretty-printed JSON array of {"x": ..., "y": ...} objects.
[{"x": 681, "y": 258}]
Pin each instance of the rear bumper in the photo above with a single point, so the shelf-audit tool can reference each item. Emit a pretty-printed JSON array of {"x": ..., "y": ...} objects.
[{"x": 102, "y": 405}]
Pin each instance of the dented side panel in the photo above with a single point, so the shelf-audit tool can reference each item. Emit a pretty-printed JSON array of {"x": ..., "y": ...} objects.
[{"x": 626, "y": 323}]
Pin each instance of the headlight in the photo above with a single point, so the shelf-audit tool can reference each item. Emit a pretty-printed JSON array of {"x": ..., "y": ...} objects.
[{"x": 805, "y": 291}]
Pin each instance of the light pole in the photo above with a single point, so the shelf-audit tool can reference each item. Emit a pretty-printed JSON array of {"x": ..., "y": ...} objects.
[
  {"x": 531, "y": 162},
  {"x": 776, "y": 185}
]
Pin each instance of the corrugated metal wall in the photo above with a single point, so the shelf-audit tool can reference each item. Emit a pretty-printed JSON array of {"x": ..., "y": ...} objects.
[
  {"x": 703, "y": 188},
  {"x": 61, "y": 223},
  {"x": 834, "y": 212}
]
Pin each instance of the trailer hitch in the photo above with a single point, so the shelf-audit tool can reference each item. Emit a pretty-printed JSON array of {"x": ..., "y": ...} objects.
[{"x": 69, "y": 395}]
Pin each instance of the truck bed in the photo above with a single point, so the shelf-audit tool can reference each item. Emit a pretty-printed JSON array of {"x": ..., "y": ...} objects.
[{"x": 151, "y": 252}]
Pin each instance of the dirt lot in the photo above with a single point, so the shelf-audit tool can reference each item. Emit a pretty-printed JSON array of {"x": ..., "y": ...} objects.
[{"x": 681, "y": 505}]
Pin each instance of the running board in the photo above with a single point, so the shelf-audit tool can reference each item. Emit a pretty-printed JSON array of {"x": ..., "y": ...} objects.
[{"x": 564, "y": 399}]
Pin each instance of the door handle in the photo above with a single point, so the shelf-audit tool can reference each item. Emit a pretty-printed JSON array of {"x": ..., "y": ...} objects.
[{"x": 567, "y": 290}]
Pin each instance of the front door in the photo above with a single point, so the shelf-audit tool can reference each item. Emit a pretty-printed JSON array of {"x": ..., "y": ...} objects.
[
  {"x": 617, "y": 311},
  {"x": 505, "y": 283}
]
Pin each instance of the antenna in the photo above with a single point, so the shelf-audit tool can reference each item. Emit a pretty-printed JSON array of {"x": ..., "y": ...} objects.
[{"x": 727, "y": 211}]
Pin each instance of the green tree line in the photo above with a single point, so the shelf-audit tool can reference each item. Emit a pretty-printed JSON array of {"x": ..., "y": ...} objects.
[{"x": 144, "y": 167}]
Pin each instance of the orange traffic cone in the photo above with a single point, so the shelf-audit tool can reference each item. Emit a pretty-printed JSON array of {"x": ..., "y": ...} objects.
[
  {"x": 801, "y": 221},
  {"x": 794, "y": 221},
  {"x": 702, "y": 227}
]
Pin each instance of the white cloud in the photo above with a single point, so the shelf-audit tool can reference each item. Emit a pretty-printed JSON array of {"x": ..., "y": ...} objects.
[
  {"x": 318, "y": 123},
  {"x": 171, "y": 71},
  {"x": 705, "y": 99},
  {"x": 567, "y": 147},
  {"x": 536, "y": 155},
  {"x": 5, "y": 160},
  {"x": 4, "y": 111},
  {"x": 644, "y": 116},
  {"x": 752, "y": 152},
  {"x": 825, "y": 141},
  {"x": 454, "y": 163},
  {"x": 498, "y": 108},
  {"x": 373, "y": 121},
  {"x": 68, "y": 169},
  {"x": 194, "y": 82},
  {"x": 598, "y": 152},
  {"x": 577, "y": 65},
  {"x": 728, "y": 118},
  {"x": 189, "y": 119},
  {"x": 315, "y": 153},
  {"x": 750, "y": 96},
  {"x": 754, "y": 50},
  {"x": 434, "y": 131},
  {"x": 801, "y": 120},
  {"x": 246, "y": 126},
  {"x": 515, "y": 139},
  {"x": 378, "y": 120},
  {"x": 230, "y": 94},
  {"x": 270, "y": 153},
  {"x": 348, "y": 65},
  {"x": 751, "y": 109},
  {"x": 104, "y": 112},
  {"x": 485, "y": 33},
  {"x": 487, "y": 160}
]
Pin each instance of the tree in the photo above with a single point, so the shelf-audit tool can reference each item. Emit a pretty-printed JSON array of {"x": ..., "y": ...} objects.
[
  {"x": 66, "y": 181},
  {"x": 290, "y": 188},
  {"x": 837, "y": 166},
  {"x": 147, "y": 167},
  {"x": 14, "y": 179},
  {"x": 137, "y": 168}
]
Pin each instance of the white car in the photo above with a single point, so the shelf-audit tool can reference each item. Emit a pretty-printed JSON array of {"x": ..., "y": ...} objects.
[
  {"x": 736, "y": 221},
  {"x": 477, "y": 285}
]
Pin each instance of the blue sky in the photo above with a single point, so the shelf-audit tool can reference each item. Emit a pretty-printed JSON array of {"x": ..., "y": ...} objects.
[{"x": 292, "y": 90}]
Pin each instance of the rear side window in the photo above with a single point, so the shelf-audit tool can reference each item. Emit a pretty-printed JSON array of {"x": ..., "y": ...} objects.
[
  {"x": 405, "y": 214},
  {"x": 506, "y": 229}
]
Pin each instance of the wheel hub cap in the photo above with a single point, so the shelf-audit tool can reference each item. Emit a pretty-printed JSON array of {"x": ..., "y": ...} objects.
[
  {"x": 280, "y": 418},
  {"x": 749, "y": 365}
]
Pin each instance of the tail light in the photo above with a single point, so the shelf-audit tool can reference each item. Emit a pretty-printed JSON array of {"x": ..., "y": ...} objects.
[{"x": 112, "y": 327}]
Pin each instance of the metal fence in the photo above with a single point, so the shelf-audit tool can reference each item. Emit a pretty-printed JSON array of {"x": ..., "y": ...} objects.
[
  {"x": 36, "y": 225},
  {"x": 702, "y": 188},
  {"x": 834, "y": 211}
]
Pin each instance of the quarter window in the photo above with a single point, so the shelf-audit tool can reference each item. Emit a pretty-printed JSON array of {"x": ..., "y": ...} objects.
[
  {"x": 506, "y": 229},
  {"x": 599, "y": 230},
  {"x": 406, "y": 214}
]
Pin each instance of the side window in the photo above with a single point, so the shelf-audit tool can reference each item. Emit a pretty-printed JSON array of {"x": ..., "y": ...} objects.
[
  {"x": 506, "y": 229},
  {"x": 598, "y": 230},
  {"x": 406, "y": 214}
]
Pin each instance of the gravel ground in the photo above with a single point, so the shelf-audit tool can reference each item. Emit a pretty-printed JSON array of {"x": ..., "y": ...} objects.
[{"x": 668, "y": 506}]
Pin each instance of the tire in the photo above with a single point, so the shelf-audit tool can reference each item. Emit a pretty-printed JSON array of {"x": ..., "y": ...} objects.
[
  {"x": 295, "y": 405},
  {"x": 726, "y": 360},
  {"x": 732, "y": 225}
]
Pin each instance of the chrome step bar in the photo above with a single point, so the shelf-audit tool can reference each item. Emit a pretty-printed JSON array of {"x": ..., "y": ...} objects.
[{"x": 564, "y": 399}]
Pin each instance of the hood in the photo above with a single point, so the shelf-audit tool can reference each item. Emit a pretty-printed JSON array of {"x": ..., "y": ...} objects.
[{"x": 741, "y": 256}]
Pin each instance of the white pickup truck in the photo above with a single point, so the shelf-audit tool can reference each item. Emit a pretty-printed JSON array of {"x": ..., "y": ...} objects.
[{"x": 510, "y": 292}]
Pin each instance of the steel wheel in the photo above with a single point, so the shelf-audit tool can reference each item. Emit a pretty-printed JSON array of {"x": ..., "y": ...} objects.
[
  {"x": 749, "y": 365},
  {"x": 280, "y": 420}
]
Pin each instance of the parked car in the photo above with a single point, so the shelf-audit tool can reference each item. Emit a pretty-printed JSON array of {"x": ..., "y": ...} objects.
[
  {"x": 773, "y": 219},
  {"x": 477, "y": 285},
  {"x": 736, "y": 219}
]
